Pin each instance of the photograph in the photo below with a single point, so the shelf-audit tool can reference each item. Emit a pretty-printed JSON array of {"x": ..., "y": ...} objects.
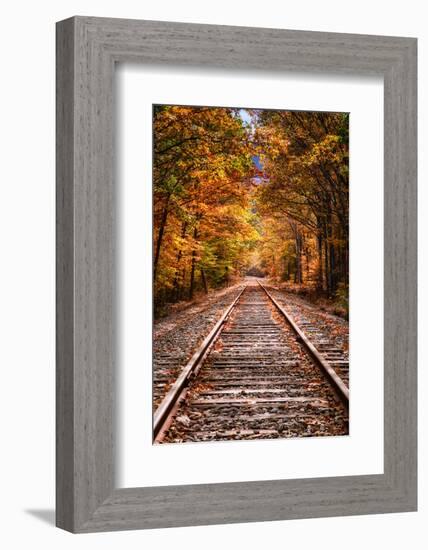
[{"x": 250, "y": 273}]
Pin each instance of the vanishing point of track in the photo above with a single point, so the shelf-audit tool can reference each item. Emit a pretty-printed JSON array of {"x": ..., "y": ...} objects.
[{"x": 257, "y": 375}]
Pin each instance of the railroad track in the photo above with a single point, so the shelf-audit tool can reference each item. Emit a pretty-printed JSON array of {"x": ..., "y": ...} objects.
[
  {"x": 318, "y": 331},
  {"x": 257, "y": 375}
]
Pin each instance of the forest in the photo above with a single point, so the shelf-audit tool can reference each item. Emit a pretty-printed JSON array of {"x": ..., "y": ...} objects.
[{"x": 249, "y": 192}]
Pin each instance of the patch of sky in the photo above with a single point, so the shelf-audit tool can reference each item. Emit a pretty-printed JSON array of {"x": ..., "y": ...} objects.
[
  {"x": 245, "y": 116},
  {"x": 257, "y": 162}
]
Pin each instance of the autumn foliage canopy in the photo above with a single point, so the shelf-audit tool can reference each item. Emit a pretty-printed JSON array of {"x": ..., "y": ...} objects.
[{"x": 248, "y": 191}]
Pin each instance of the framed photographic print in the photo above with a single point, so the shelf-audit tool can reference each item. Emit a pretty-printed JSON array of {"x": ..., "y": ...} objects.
[
  {"x": 236, "y": 198},
  {"x": 236, "y": 274}
]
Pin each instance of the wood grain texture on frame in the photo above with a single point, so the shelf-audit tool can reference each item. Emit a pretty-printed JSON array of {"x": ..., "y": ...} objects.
[{"x": 87, "y": 50}]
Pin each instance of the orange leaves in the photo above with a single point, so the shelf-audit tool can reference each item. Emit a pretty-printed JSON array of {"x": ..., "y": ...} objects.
[{"x": 202, "y": 166}]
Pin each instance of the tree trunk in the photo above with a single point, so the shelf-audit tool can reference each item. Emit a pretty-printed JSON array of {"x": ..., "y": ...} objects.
[
  {"x": 182, "y": 286},
  {"x": 298, "y": 240},
  {"x": 159, "y": 239},
  {"x": 204, "y": 280},
  {"x": 332, "y": 253},
  {"x": 176, "y": 284},
  {"x": 308, "y": 261},
  {"x": 320, "y": 283},
  {"x": 192, "y": 269},
  {"x": 327, "y": 267},
  {"x": 331, "y": 256}
]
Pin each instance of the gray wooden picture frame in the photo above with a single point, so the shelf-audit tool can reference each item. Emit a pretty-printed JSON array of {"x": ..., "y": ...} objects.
[{"x": 87, "y": 50}]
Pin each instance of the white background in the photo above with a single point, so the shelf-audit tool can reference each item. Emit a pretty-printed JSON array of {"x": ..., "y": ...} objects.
[
  {"x": 27, "y": 273},
  {"x": 362, "y": 451}
]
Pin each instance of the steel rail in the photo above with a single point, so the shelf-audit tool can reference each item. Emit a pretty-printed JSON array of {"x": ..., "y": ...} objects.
[
  {"x": 338, "y": 385},
  {"x": 167, "y": 406}
]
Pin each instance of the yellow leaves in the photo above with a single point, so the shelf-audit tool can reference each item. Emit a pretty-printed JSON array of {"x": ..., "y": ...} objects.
[{"x": 325, "y": 151}]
